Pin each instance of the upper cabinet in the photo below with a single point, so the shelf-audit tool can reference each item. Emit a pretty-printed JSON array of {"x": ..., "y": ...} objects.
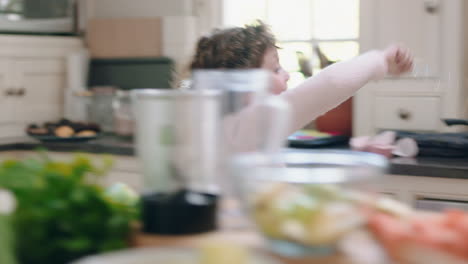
[
  {"x": 435, "y": 89},
  {"x": 40, "y": 85},
  {"x": 416, "y": 23}
]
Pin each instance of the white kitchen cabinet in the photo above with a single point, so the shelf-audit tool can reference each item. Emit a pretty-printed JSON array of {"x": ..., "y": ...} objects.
[
  {"x": 433, "y": 30},
  {"x": 426, "y": 193},
  {"x": 5, "y": 92},
  {"x": 413, "y": 23},
  {"x": 32, "y": 80},
  {"x": 414, "y": 113}
]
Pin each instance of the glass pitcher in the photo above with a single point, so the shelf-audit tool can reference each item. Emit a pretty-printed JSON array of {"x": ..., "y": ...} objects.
[
  {"x": 252, "y": 119},
  {"x": 122, "y": 114},
  {"x": 98, "y": 101},
  {"x": 260, "y": 120}
]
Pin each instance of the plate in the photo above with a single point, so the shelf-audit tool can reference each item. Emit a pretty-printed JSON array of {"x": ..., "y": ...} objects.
[
  {"x": 161, "y": 255},
  {"x": 314, "y": 139},
  {"x": 51, "y": 139}
]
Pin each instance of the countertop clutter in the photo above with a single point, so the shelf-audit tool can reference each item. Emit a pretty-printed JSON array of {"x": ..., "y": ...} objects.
[
  {"x": 456, "y": 168},
  {"x": 405, "y": 244}
]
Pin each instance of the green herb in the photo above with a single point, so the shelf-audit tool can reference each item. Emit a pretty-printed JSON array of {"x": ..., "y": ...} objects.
[
  {"x": 6, "y": 241},
  {"x": 62, "y": 212}
]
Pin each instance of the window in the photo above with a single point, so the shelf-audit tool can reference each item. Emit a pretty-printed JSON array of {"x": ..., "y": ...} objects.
[{"x": 311, "y": 33}]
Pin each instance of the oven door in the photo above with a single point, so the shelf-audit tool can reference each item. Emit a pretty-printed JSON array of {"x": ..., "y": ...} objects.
[{"x": 454, "y": 121}]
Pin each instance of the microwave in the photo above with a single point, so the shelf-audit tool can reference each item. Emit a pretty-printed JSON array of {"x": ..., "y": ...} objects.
[{"x": 38, "y": 16}]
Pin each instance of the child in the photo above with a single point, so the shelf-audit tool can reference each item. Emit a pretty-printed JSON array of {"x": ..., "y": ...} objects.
[{"x": 254, "y": 46}]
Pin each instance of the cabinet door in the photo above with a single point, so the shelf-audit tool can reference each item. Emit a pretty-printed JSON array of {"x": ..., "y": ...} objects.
[
  {"x": 5, "y": 90},
  {"x": 43, "y": 82},
  {"x": 416, "y": 23}
]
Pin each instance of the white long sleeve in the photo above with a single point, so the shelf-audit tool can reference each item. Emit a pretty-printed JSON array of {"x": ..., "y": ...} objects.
[
  {"x": 332, "y": 86},
  {"x": 312, "y": 98}
]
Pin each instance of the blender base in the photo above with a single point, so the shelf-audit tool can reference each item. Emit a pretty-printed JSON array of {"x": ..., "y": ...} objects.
[{"x": 179, "y": 213}]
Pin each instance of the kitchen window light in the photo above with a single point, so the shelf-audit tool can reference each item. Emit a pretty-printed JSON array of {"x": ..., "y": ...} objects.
[{"x": 300, "y": 26}]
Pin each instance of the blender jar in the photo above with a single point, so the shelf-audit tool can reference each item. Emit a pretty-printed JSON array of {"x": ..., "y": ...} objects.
[{"x": 176, "y": 135}]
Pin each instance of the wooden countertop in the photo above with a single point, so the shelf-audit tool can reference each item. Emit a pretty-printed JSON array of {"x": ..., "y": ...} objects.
[{"x": 246, "y": 238}]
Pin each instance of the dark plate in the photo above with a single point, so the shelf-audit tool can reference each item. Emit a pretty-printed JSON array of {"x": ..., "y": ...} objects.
[
  {"x": 316, "y": 143},
  {"x": 311, "y": 138},
  {"x": 51, "y": 139}
]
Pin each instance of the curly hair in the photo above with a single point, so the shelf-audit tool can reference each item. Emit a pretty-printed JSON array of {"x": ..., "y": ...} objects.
[{"x": 234, "y": 48}]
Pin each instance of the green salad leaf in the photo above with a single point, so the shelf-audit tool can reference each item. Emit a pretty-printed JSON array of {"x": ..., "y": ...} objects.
[{"x": 63, "y": 213}]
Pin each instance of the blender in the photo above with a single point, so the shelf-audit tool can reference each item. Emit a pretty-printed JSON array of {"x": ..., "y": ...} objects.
[
  {"x": 184, "y": 137},
  {"x": 176, "y": 140}
]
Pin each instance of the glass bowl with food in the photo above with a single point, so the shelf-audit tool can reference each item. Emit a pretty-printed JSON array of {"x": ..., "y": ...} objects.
[{"x": 304, "y": 202}]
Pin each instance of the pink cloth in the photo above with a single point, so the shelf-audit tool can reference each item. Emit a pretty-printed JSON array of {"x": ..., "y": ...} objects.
[
  {"x": 386, "y": 144},
  {"x": 312, "y": 98}
]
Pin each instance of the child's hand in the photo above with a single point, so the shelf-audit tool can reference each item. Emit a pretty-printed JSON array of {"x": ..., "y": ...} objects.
[{"x": 399, "y": 59}]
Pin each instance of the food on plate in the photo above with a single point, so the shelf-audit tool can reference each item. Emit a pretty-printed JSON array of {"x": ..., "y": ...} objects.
[
  {"x": 64, "y": 128},
  {"x": 317, "y": 215},
  {"x": 34, "y": 129},
  {"x": 86, "y": 133},
  {"x": 393, "y": 207},
  {"x": 435, "y": 238},
  {"x": 312, "y": 215},
  {"x": 64, "y": 131}
]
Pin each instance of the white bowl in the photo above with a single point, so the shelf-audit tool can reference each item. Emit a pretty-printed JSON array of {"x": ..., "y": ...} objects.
[{"x": 304, "y": 203}]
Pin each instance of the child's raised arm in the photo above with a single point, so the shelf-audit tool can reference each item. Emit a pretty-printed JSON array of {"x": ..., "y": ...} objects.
[
  {"x": 336, "y": 83},
  {"x": 320, "y": 93}
]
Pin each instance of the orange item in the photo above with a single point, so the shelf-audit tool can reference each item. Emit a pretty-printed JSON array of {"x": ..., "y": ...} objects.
[
  {"x": 337, "y": 120},
  {"x": 444, "y": 234}
]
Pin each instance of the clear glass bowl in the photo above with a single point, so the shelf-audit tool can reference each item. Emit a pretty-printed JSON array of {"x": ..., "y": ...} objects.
[{"x": 305, "y": 202}]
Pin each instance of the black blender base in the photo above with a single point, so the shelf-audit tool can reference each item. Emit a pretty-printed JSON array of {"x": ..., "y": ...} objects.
[{"x": 180, "y": 213}]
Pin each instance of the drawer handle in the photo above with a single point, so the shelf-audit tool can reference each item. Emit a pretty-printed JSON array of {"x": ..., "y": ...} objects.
[
  {"x": 404, "y": 114},
  {"x": 20, "y": 91},
  {"x": 431, "y": 6},
  {"x": 10, "y": 92}
]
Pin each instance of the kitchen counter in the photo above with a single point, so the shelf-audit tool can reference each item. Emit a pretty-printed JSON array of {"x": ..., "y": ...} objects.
[
  {"x": 423, "y": 166},
  {"x": 109, "y": 144}
]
